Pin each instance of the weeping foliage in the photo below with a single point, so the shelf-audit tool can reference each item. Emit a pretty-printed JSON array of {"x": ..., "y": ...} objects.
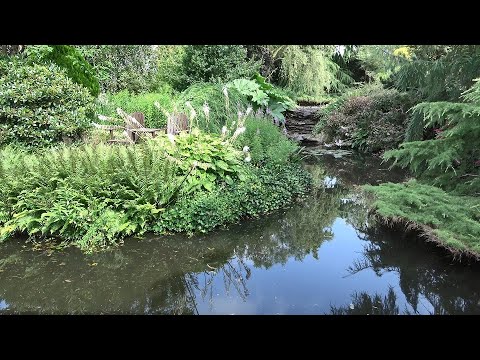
[
  {"x": 452, "y": 158},
  {"x": 309, "y": 70},
  {"x": 440, "y": 72}
]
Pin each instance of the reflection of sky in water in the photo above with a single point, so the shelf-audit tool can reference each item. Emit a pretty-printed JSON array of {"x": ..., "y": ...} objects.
[
  {"x": 330, "y": 182},
  {"x": 310, "y": 286},
  {"x": 3, "y": 305}
]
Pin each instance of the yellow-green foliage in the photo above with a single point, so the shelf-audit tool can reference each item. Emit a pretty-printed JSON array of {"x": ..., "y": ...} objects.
[
  {"x": 266, "y": 142},
  {"x": 453, "y": 220},
  {"x": 309, "y": 70}
]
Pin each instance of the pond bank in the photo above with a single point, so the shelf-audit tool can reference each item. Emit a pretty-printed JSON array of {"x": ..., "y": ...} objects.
[{"x": 317, "y": 257}]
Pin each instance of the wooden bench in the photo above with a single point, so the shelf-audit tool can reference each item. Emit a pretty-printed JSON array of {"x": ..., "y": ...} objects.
[
  {"x": 135, "y": 127},
  {"x": 177, "y": 123}
]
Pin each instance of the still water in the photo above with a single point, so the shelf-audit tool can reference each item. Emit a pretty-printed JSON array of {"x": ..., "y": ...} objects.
[{"x": 321, "y": 256}]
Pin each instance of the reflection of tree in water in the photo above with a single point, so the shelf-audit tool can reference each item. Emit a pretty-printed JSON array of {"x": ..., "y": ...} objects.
[
  {"x": 424, "y": 271},
  {"x": 165, "y": 275},
  {"x": 364, "y": 304}
]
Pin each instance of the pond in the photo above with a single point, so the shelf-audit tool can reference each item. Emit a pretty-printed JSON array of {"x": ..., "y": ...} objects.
[{"x": 320, "y": 256}]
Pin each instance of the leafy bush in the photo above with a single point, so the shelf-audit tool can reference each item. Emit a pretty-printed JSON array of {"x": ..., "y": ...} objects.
[
  {"x": 265, "y": 190},
  {"x": 371, "y": 123},
  {"x": 94, "y": 196},
  {"x": 69, "y": 58},
  {"x": 144, "y": 103},
  {"x": 206, "y": 157},
  {"x": 170, "y": 65},
  {"x": 264, "y": 95},
  {"x": 266, "y": 142},
  {"x": 216, "y": 63},
  {"x": 40, "y": 105},
  {"x": 221, "y": 108}
]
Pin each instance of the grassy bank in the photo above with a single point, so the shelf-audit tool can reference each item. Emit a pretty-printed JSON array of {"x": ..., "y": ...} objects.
[{"x": 450, "y": 221}]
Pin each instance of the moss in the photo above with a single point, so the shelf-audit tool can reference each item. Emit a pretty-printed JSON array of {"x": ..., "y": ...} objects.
[{"x": 453, "y": 222}]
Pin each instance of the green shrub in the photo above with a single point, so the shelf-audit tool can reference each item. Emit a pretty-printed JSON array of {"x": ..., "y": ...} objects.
[
  {"x": 94, "y": 196},
  {"x": 69, "y": 58},
  {"x": 123, "y": 67},
  {"x": 207, "y": 157},
  {"x": 216, "y": 63},
  {"x": 371, "y": 123},
  {"x": 40, "y": 105},
  {"x": 265, "y": 190},
  {"x": 221, "y": 108},
  {"x": 144, "y": 103},
  {"x": 266, "y": 142},
  {"x": 264, "y": 95},
  {"x": 451, "y": 221}
]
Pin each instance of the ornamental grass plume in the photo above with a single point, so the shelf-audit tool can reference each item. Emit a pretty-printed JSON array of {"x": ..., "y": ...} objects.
[
  {"x": 227, "y": 102},
  {"x": 206, "y": 110},
  {"x": 239, "y": 131},
  {"x": 193, "y": 113}
]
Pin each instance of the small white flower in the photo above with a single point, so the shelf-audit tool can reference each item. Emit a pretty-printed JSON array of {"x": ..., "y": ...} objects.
[
  {"x": 224, "y": 130},
  {"x": 241, "y": 130},
  {"x": 225, "y": 91},
  {"x": 156, "y": 103},
  {"x": 102, "y": 117},
  {"x": 171, "y": 137},
  {"x": 195, "y": 163},
  {"x": 248, "y": 159},
  {"x": 233, "y": 123},
  {"x": 239, "y": 114},
  {"x": 249, "y": 110},
  {"x": 246, "y": 149}
]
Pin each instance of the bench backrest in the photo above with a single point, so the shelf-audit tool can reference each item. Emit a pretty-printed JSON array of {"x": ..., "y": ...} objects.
[{"x": 176, "y": 123}]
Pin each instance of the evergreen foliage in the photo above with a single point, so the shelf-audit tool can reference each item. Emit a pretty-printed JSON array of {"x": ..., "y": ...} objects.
[
  {"x": 451, "y": 221},
  {"x": 451, "y": 159}
]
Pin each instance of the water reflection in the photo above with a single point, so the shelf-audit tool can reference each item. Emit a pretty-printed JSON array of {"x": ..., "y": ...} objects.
[
  {"x": 320, "y": 256},
  {"x": 365, "y": 304}
]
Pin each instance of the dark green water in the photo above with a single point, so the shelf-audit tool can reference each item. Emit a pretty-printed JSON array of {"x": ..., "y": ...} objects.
[{"x": 317, "y": 257}]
